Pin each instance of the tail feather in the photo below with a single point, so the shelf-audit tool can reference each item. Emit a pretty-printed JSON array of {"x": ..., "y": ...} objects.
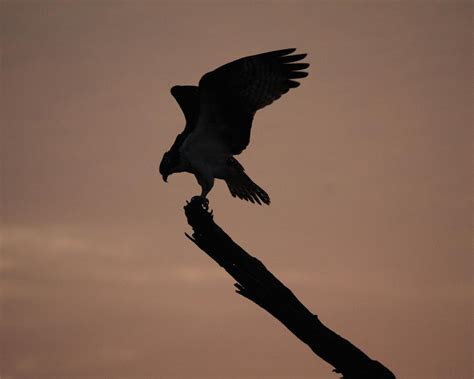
[{"x": 241, "y": 186}]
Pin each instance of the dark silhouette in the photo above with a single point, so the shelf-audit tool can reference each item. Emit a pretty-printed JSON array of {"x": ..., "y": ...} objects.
[
  {"x": 219, "y": 115},
  {"x": 259, "y": 285}
]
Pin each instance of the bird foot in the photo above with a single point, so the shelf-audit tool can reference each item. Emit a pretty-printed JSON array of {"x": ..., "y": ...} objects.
[{"x": 202, "y": 200}]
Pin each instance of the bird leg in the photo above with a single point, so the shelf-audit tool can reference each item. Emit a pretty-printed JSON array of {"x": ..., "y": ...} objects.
[{"x": 206, "y": 184}]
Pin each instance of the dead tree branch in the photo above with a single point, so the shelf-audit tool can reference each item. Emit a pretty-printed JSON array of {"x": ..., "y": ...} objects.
[{"x": 260, "y": 286}]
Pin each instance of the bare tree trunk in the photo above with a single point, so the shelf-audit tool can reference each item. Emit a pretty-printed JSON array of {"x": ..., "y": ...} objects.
[{"x": 259, "y": 285}]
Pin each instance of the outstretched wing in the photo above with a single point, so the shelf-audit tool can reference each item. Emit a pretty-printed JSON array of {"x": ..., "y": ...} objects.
[
  {"x": 231, "y": 94},
  {"x": 188, "y": 99}
]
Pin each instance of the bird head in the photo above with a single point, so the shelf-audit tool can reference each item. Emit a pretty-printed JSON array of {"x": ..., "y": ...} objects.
[{"x": 169, "y": 164}]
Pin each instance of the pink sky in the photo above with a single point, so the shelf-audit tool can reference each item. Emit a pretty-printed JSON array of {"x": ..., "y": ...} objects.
[{"x": 367, "y": 165}]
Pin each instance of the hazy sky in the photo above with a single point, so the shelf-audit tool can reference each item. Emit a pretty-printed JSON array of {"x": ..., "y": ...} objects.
[{"x": 367, "y": 163}]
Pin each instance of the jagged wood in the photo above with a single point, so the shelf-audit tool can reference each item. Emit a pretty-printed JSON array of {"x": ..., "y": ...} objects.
[{"x": 259, "y": 285}]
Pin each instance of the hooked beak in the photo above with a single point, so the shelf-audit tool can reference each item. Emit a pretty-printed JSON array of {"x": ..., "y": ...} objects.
[{"x": 165, "y": 178}]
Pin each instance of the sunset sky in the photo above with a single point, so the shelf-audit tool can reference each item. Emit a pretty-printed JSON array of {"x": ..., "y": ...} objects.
[{"x": 367, "y": 164}]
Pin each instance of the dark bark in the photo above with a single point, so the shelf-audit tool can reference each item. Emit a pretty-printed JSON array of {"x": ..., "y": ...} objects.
[{"x": 259, "y": 285}]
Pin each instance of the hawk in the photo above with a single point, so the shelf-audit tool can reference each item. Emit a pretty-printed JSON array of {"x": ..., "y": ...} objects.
[{"x": 219, "y": 114}]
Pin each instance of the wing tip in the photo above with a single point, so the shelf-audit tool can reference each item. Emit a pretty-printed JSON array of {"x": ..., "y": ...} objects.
[
  {"x": 282, "y": 52},
  {"x": 297, "y": 74},
  {"x": 293, "y": 84},
  {"x": 293, "y": 58},
  {"x": 290, "y": 50},
  {"x": 175, "y": 91}
]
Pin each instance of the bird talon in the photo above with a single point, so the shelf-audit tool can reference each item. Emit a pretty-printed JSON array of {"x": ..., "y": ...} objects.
[{"x": 202, "y": 200}]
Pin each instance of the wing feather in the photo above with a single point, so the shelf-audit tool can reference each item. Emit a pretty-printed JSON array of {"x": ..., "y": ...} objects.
[
  {"x": 232, "y": 94},
  {"x": 187, "y": 98}
]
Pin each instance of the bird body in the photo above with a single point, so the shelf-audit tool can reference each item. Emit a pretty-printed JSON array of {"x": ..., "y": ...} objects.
[{"x": 219, "y": 115}]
